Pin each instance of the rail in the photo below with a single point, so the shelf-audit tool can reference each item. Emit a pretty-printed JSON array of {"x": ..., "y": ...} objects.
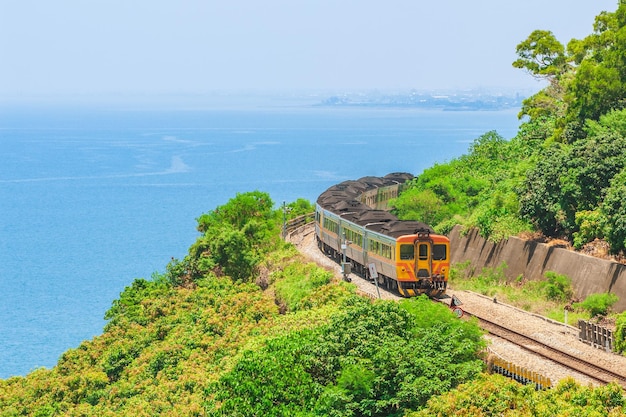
[{"x": 291, "y": 225}]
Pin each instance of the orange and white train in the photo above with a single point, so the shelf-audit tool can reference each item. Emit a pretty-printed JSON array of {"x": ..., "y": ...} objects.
[{"x": 353, "y": 226}]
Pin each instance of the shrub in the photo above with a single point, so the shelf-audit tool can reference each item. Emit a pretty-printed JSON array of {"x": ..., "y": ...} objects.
[
  {"x": 558, "y": 287},
  {"x": 598, "y": 304},
  {"x": 298, "y": 208},
  {"x": 589, "y": 227},
  {"x": 374, "y": 359},
  {"x": 495, "y": 395},
  {"x": 297, "y": 282}
]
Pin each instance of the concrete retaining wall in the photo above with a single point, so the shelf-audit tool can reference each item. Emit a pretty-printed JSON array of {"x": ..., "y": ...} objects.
[{"x": 532, "y": 260}]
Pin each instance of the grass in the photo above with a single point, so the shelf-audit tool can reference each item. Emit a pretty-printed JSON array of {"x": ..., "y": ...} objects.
[{"x": 539, "y": 297}]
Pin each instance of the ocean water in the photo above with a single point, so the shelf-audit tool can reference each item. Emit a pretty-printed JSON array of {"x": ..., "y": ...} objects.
[{"x": 91, "y": 199}]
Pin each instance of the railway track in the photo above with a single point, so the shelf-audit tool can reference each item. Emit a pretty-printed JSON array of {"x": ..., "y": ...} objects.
[{"x": 590, "y": 370}]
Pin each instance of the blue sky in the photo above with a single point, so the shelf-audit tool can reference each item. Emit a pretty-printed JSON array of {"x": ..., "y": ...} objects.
[{"x": 195, "y": 46}]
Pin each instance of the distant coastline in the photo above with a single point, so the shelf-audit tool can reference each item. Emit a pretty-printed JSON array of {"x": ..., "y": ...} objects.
[
  {"x": 454, "y": 101},
  {"x": 450, "y": 100}
]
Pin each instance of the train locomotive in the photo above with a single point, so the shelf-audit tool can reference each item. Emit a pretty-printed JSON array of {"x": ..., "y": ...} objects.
[{"x": 353, "y": 226}]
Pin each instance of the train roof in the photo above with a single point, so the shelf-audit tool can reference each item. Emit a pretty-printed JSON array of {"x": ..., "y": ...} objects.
[
  {"x": 351, "y": 189},
  {"x": 406, "y": 227},
  {"x": 343, "y": 200}
]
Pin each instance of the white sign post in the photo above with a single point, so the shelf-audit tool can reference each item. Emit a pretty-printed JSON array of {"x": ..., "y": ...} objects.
[{"x": 374, "y": 275}]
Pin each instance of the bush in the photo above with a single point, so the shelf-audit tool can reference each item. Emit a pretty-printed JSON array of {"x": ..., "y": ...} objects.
[
  {"x": 298, "y": 208},
  {"x": 490, "y": 277},
  {"x": 374, "y": 359},
  {"x": 598, "y": 304},
  {"x": 296, "y": 283},
  {"x": 589, "y": 223},
  {"x": 558, "y": 287},
  {"x": 495, "y": 395}
]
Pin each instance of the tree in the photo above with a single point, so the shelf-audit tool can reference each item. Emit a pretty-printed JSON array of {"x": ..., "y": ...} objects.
[
  {"x": 613, "y": 210},
  {"x": 599, "y": 85},
  {"x": 586, "y": 80},
  {"x": 569, "y": 179},
  {"x": 234, "y": 236},
  {"x": 539, "y": 194},
  {"x": 544, "y": 57},
  {"x": 233, "y": 251},
  {"x": 299, "y": 207},
  {"x": 239, "y": 211},
  {"x": 371, "y": 359}
]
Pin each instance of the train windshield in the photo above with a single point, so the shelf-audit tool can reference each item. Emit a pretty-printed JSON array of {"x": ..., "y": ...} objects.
[
  {"x": 407, "y": 252},
  {"x": 439, "y": 252}
]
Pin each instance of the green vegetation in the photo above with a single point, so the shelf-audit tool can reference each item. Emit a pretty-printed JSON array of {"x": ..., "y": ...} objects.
[
  {"x": 370, "y": 359},
  {"x": 299, "y": 207},
  {"x": 564, "y": 172},
  {"x": 243, "y": 326},
  {"x": 548, "y": 297},
  {"x": 287, "y": 339},
  {"x": 283, "y": 338},
  {"x": 495, "y": 395},
  {"x": 598, "y": 304},
  {"x": 562, "y": 176},
  {"x": 473, "y": 190},
  {"x": 557, "y": 287}
]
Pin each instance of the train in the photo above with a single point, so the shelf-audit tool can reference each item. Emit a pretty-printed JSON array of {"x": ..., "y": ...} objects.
[{"x": 355, "y": 227}]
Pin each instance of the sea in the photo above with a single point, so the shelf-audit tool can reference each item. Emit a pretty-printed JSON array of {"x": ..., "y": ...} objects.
[{"x": 93, "y": 197}]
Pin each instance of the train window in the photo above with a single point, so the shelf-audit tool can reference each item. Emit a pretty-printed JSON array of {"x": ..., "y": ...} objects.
[
  {"x": 407, "y": 252},
  {"x": 380, "y": 249},
  {"x": 423, "y": 251},
  {"x": 331, "y": 225},
  {"x": 439, "y": 252},
  {"x": 354, "y": 237}
]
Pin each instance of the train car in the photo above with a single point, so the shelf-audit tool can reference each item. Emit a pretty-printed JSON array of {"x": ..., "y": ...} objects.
[{"x": 353, "y": 225}]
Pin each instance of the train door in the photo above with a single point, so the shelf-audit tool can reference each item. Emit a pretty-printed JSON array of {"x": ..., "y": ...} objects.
[{"x": 423, "y": 265}]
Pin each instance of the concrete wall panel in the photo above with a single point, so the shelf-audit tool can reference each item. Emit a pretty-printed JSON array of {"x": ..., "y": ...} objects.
[{"x": 532, "y": 260}]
